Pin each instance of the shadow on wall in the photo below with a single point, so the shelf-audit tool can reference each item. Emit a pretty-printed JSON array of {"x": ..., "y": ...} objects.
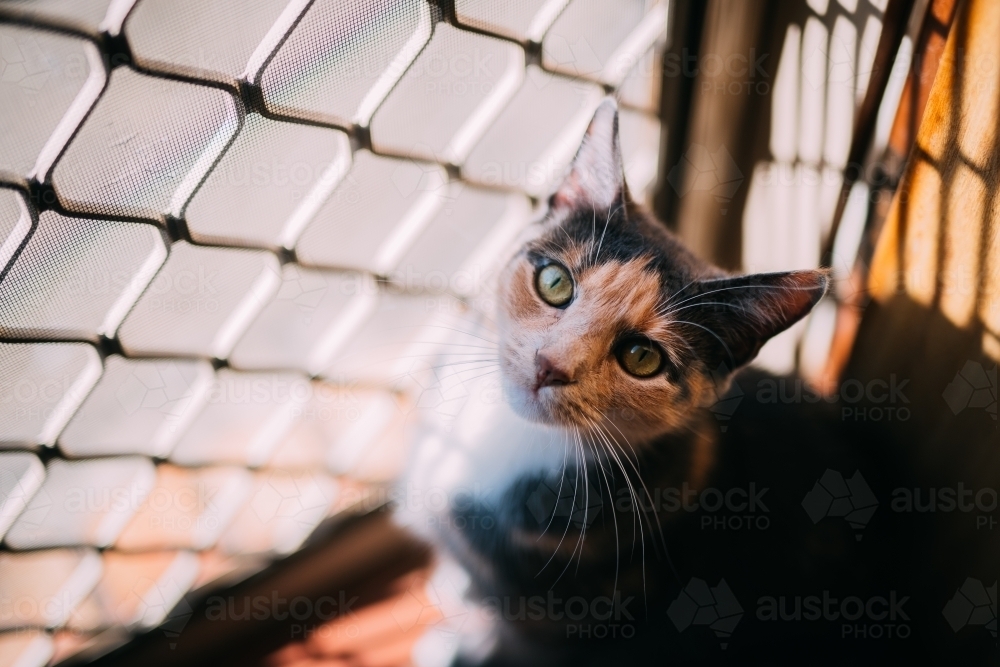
[{"x": 935, "y": 283}]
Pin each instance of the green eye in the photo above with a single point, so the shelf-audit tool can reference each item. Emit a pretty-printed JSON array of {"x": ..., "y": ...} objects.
[
  {"x": 640, "y": 357},
  {"x": 554, "y": 285}
]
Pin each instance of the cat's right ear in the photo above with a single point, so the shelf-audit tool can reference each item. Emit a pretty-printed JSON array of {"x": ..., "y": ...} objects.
[{"x": 596, "y": 178}]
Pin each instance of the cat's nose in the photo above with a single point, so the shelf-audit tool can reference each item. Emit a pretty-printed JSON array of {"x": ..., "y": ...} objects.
[{"x": 548, "y": 374}]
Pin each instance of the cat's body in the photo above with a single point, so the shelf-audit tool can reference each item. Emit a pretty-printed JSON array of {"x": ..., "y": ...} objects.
[
  {"x": 543, "y": 540},
  {"x": 742, "y": 523},
  {"x": 630, "y": 525}
]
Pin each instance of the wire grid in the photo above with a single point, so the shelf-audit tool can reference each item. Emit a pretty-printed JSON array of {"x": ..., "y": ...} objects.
[{"x": 232, "y": 234}]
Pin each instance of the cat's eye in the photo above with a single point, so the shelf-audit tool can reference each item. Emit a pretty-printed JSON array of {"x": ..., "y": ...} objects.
[
  {"x": 640, "y": 357},
  {"x": 554, "y": 285}
]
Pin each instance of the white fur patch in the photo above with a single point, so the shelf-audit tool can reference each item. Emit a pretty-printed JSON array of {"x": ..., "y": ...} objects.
[{"x": 487, "y": 448}]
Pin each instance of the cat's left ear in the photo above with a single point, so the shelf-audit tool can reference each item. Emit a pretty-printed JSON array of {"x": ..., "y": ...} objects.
[
  {"x": 726, "y": 321},
  {"x": 596, "y": 178}
]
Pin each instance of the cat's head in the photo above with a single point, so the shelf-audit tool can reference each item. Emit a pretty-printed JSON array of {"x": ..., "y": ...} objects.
[{"x": 606, "y": 318}]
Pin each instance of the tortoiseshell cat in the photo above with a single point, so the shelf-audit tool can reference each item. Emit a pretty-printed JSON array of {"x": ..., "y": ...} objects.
[{"x": 627, "y": 526}]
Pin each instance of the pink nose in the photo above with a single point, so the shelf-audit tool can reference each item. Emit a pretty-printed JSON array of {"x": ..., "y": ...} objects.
[{"x": 548, "y": 374}]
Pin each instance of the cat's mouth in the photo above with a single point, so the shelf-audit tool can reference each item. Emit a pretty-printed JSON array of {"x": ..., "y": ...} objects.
[
  {"x": 537, "y": 401},
  {"x": 555, "y": 385},
  {"x": 538, "y": 390}
]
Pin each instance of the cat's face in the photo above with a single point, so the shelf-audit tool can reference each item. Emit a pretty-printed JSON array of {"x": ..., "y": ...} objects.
[
  {"x": 609, "y": 354},
  {"x": 605, "y": 319}
]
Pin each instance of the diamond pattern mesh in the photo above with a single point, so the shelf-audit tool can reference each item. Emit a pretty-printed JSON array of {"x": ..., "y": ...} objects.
[
  {"x": 41, "y": 75},
  {"x": 74, "y": 505},
  {"x": 343, "y": 57},
  {"x": 529, "y": 151},
  {"x": 335, "y": 239},
  {"x": 207, "y": 39},
  {"x": 77, "y": 278},
  {"x": 268, "y": 185},
  {"x": 451, "y": 91},
  {"x": 145, "y": 145},
  {"x": 586, "y": 37},
  {"x": 199, "y": 301},
  {"x": 233, "y": 236},
  {"x": 297, "y": 318},
  {"x": 518, "y": 19},
  {"x": 15, "y": 225},
  {"x": 83, "y": 14},
  {"x": 43, "y": 384},
  {"x": 139, "y": 406}
]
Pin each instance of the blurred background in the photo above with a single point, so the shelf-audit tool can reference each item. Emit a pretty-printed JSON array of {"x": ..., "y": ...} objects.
[{"x": 235, "y": 233}]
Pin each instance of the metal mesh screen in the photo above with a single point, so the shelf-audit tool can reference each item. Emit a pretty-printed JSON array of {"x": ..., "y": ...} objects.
[{"x": 231, "y": 234}]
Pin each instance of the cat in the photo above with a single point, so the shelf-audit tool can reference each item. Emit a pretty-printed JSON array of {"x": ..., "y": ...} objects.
[{"x": 601, "y": 513}]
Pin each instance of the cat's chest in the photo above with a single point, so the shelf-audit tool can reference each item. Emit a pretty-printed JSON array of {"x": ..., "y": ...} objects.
[{"x": 478, "y": 457}]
